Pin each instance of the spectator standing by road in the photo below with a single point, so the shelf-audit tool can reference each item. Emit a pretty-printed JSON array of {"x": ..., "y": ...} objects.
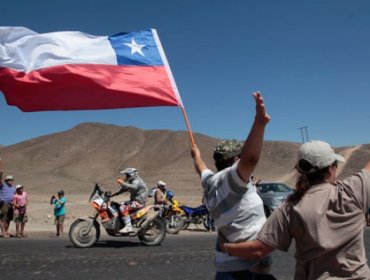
[
  {"x": 59, "y": 203},
  {"x": 20, "y": 201},
  {"x": 7, "y": 191},
  {"x": 232, "y": 201},
  {"x": 324, "y": 216}
]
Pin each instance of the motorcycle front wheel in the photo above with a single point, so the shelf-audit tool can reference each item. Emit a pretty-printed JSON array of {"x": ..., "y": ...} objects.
[
  {"x": 174, "y": 224},
  {"x": 154, "y": 233},
  {"x": 80, "y": 235}
]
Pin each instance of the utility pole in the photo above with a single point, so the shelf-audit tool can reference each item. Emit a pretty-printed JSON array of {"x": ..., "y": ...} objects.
[
  {"x": 304, "y": 133},
  {"x": 306, "y": 129}
]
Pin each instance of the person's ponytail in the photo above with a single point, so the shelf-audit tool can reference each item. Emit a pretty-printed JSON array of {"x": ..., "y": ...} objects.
[
  {"x": 308, "y": 176},
  {"x": 301, "y": 186}
]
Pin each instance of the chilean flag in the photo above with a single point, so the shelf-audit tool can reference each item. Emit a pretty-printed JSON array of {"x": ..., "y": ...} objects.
[{"x": 78, "y": 71}]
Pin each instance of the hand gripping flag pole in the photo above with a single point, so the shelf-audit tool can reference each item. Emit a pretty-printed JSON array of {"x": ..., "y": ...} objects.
[{"x": 77, "y": 71}]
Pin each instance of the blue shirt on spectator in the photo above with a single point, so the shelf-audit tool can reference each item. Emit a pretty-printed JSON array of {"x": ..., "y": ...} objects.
[
  {"x": 59, "y": 208},
  {"x": 6, "y": 192}
]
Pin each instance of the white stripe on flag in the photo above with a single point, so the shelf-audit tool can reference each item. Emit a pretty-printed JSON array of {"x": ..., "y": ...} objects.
[{"x": 31, "y": 51}]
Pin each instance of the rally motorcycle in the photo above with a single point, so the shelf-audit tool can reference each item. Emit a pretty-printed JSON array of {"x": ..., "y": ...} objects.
[{"x": 147, "y": 223}]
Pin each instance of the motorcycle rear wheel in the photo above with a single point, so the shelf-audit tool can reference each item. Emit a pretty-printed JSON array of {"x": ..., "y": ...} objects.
[
  {"x": 154, "y": 233},
  {"x": 174, "y": 224},
  {"x": 79, "y": 235},
  {"x": 186, "y": 222}
]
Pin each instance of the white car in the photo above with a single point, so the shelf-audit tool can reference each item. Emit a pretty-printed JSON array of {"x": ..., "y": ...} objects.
[{"x": 273, "y": 194}]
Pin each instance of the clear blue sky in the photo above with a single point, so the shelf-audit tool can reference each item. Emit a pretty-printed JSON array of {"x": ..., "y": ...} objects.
[{"x": 310, "y": 59}]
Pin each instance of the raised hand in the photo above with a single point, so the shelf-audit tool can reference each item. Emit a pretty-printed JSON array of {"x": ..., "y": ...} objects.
[{"x": 261, "y": 115}]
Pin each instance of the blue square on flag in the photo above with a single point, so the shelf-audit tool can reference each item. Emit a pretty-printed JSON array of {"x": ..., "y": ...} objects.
[{"x": 136, "y": 48}]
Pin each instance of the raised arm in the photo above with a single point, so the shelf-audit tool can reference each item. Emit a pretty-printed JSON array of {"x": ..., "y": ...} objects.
[
  {"x": 199, "y": 164},
  {"x": 252, "y": 148},
  {"x": 59, "y": 200}
]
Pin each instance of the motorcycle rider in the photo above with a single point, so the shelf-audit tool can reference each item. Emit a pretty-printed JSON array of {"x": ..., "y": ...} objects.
[
  {"x": 161, "y": 194},
  {"x": 138, "y": 195}
]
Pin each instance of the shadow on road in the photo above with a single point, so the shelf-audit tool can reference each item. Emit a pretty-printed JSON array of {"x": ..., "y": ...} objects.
[
  {"x": 196, "y": 230},
  {"x": 112, "y": 244}
]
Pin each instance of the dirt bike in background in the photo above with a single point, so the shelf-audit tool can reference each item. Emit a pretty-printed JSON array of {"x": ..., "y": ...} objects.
[
  {"x": 172, "y": 214},
  {"x": 197, "y": 216},
  {"x": 148, "y": 226}
]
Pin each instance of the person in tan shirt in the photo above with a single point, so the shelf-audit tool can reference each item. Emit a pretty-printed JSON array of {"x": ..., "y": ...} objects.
[{"x": 324, "y": 217}]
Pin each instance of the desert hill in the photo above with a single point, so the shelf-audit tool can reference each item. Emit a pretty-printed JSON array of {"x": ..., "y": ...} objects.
[{"x": 92, "y": 152}]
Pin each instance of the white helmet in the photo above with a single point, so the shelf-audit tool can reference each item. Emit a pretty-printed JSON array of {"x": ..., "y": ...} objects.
[
  {"x": 130, "y": 172},
  {"x": 161, "y": 183}
]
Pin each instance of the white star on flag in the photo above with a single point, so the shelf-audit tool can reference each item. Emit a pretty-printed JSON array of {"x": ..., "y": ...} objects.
[{"x": 135, "y": 47}]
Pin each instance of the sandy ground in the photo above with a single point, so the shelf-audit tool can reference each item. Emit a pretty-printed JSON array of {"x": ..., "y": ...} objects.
[{"x": 41, "y": 217}]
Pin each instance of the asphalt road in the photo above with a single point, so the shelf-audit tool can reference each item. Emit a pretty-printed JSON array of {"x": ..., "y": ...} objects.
[{"x": 182, "y": 256}]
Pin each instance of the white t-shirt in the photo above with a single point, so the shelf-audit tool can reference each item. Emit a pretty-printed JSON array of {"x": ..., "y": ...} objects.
[{"x": 237, "y": 210}]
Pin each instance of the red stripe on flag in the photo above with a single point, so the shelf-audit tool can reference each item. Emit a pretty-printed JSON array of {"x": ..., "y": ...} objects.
[{"x": 87, "y": 87}]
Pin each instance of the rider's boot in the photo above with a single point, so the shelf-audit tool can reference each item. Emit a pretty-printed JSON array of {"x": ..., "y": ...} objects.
[{"x": 128, "y": 227}]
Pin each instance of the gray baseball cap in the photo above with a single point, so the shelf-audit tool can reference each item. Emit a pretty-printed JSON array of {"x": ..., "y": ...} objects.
[{"x": 319, "y": 154}]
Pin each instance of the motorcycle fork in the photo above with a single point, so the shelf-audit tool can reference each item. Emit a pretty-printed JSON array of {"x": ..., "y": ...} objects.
[
  {"x": 92, "y": 224},
  {"x": 171, "y": 220}
]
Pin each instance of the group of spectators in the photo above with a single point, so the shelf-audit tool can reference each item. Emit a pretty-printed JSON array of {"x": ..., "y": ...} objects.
[
  {"x": 13, "y": 207},
  {"x": 324, "y": 216}
]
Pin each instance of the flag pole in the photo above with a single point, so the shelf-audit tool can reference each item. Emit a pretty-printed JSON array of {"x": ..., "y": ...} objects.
[
  {"x": 188, "y": 126},
  {"x": 173, "y": 83}
]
